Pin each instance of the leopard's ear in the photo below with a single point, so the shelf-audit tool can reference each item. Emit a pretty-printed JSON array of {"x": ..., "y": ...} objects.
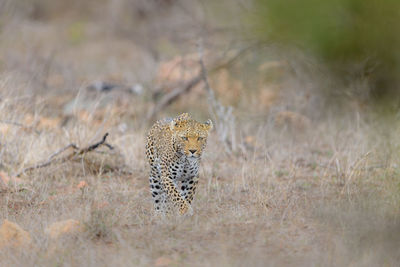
[
  {"x": 208, "y": 125},
  {"x": 172, "y": 125}
]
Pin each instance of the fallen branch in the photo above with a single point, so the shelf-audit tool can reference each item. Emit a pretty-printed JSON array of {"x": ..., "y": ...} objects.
[
  {"x": 20, "y": 125},
  {"x": 227, "y": 63},
  {"x": 58, "y": 152},
  {"x": 95, "y": 146},
  {"x": 173, "y": 96},
  {"x": 73, "y": 155}
]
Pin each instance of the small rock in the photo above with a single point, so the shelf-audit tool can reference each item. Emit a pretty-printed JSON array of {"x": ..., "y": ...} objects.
[
  {"x": 67, "y": 227},
  {"x": 82, "y": 184},
  {"x": 122, "y": 127},
  {"x": 136, "y": 89},
  {"x": 13, "y": 235},
  {"x": 162, "y": 261}
]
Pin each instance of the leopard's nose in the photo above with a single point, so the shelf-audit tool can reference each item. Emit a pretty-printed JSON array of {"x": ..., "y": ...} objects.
[{"x": 192, "y": 151}]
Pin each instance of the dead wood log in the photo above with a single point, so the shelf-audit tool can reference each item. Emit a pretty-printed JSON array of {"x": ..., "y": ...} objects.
[
  {"x": 76, "y": 153},
  {"x": 175, "y": 94}
]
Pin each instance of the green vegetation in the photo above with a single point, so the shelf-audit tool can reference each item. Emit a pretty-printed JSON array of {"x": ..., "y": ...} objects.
[{"x": 354, "y": 38}]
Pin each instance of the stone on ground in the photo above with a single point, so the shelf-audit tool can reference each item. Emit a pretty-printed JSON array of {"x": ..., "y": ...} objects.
[
  {"x": 63, "y": 228},
  {"x": 13, "y": 235}
]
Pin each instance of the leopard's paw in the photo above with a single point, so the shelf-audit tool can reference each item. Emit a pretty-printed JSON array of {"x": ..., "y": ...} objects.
[{"x": 186, "y": 209}]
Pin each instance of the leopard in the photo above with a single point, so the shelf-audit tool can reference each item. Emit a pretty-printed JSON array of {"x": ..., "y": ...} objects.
[{"x": 174, "y": 147}]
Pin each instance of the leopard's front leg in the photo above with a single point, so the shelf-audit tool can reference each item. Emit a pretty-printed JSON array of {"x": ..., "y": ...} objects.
[
  {"x": 172, "y": 192},
  {"x": 189, "y": 183},
  {"x": 188, "y": 188}
]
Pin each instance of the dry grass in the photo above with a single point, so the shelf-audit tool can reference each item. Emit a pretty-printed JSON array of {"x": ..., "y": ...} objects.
[
  {"x": 324, "y": 194},
  {"x": 280, "y": 201}
]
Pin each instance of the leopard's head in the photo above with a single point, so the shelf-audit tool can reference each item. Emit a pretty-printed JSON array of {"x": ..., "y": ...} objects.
[{"x": 190, "y": 136}]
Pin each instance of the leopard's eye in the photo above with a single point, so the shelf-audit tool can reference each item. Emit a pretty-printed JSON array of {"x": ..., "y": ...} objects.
[
  {"x": 184, "y": 138},
  {"x": 200, "y": 138}
]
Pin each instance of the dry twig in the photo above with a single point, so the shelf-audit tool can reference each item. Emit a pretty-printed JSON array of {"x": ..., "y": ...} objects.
[
  {"x": 73, "y": 155},
  {"x": 186, "y": 88},
  {"x": 223, "y": 116},
  {"x": 173, "y": 96},
  {"x": 19, "y": 125}
]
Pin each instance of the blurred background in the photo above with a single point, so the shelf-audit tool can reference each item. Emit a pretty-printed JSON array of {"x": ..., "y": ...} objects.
[
  {"x": 304, "y": 95},
  {"x": 317, "y": 56}
]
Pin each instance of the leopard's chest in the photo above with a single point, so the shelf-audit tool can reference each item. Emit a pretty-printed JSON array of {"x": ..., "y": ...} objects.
[{"x": 183, "y": 168}]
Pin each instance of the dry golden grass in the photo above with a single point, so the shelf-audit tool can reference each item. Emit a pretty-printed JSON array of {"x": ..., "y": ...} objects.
[
  {"x": 327, "y": 197},
  {"x": 281, "y": 201}
]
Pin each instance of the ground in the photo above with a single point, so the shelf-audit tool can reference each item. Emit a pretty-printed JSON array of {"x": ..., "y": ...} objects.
[{"x": 310, "y": 188}]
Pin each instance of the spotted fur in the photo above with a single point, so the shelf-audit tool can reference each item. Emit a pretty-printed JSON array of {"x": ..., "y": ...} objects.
[{"x": 173, "y": 149}]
